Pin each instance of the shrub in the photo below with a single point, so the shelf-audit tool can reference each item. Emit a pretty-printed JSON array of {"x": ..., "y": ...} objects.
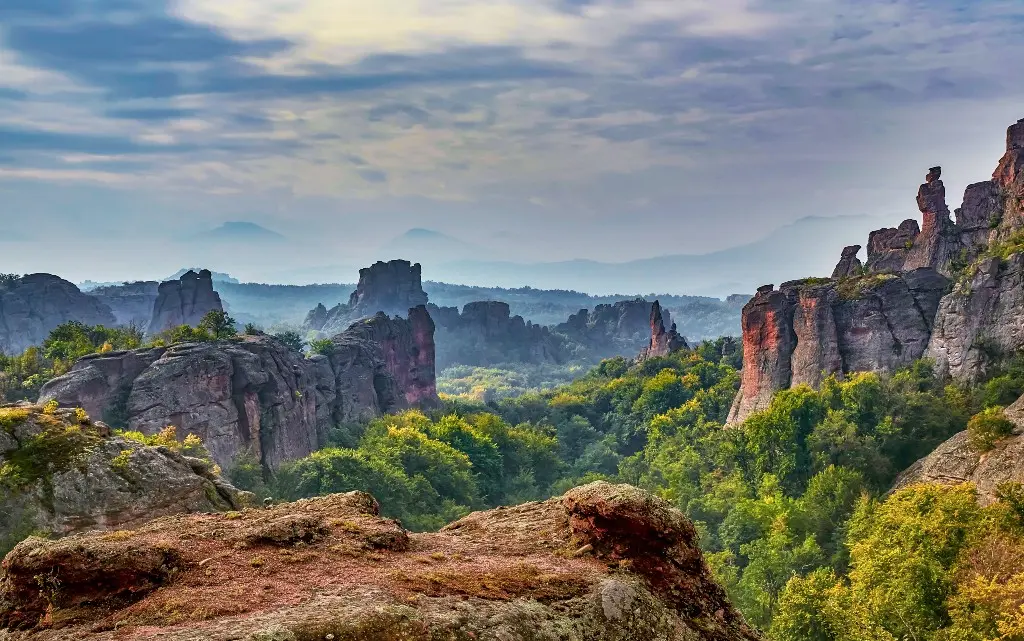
[
  {"x": 988, "y": 426},
  {"x": 323, "y": 346}
]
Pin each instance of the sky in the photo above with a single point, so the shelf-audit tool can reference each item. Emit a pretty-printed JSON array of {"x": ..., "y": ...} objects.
[{"x": 533, "y": 129}]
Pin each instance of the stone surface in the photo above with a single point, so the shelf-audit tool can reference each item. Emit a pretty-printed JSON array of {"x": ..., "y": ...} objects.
[
  {"x": 131, "y": 303},
  {"x": 94, "y": 479},
  {"x": 849, "y": 264},
  {"x": 184, "y": 301},
  {"x": 807, "y": 330},
  {"x": 486, "y": 333},
  {"x": 663, "y": 342},
  {"x": 622, "y": 328},
  {"x": 888, "y": 248},
  {"x": 253, "y": 394},
  {"x": 393, "y": 288},
  {"x": 32, "y": 306},
  {"x": 604, "y": 563}
]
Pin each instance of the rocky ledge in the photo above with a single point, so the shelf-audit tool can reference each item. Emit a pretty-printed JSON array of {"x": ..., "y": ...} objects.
[
  {"x": 61, "y": 472},
  {"x": 604, "y": 562}
]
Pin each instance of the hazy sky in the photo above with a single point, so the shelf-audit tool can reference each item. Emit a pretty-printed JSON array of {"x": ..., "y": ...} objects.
[{"x": 553, "y": 129}]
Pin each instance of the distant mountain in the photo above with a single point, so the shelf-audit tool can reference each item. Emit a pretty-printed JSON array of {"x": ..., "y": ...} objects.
[
  {"x": 240, "y": 231},
  {"x": 808, "y": 247},
  {"x": 427, "y": 246}
]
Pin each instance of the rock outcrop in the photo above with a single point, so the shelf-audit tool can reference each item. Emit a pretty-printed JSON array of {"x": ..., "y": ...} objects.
[
  {"x": 32, "y": 306},
  {"x": 253, "y": 394},
  {"x": 604, "y": 562},
  {"x": 849, "y": 265},
  {"x": 956, "y": 461},
  {"x": 131, "y": 303},
  {"x": 392, "y": 288},
  {"x": 486, "y": 333},
  {"x": 184, "y": 301},
  {"x": 663, "y": 342},
  {"x": 888, "y": 248},
  {"x": 64, "y": 473},
  {"x": 807, "y": 330},
  {"x": 620, "y": 329}
]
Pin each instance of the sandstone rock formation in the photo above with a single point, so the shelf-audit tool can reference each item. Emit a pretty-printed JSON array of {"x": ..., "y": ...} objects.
[
  {"x": 849, "y": 264},
  {"x": 888, "y": 248},
  {"x": 956, "y": 461},
  {"x": 254, "y": 394},
  {"x": 807, "y": 330},
  {"x": 184, "y": 301},
  {"x": 32, "y": 306},
  {"x": 393, "y": 288},
  {"x": 623, "y": 328},
  {"x": 131, "y": 303},
  {"x": 65, "y": 473},
  {"x": 663, "y": 342},
  {"x": 604, "y": 562},
  {"x": 486, "y": 333}
]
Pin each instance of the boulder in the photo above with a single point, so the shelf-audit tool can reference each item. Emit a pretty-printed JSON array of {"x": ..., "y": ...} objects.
[
  {"x": 67, "y": 473},
  {"x": 849, "y": 264},
  {"x": 253, "y": 394},
  {"x": 604, "y": 562},
  {"x": 32, "y": 306},
  {"x": 184, "y": 301}
]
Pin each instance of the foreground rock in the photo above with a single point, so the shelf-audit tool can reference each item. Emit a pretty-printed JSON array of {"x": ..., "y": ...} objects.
[
  {"x": 603, "y": 562},
  {"x": 253, "y": 394},
  {"x": 62, "y": 473},
  {"x": 184, "y": 301},
  {"x": 32, "y": 306}
]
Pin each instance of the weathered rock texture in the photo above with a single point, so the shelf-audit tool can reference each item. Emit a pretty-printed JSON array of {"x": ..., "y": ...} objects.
[
  {"x": 956, "y": 461},
  {"x": 32, "y": 306},
  {"x": 184, "y": 301},
  {"x": 602, "y": 563},
  {"x": 623, "y": 328},
  {"x": 65, "y": 473},
  {"x": 254, "y": 394},
  {"x": 663, "y": 342},
  {"x": 131, "y": 303},
  {"x": 486, "y": 333},
  {"x": 849, "y": 265},
  {"x": 393, "y": 288},
  {"x": 807, "y": 330}
]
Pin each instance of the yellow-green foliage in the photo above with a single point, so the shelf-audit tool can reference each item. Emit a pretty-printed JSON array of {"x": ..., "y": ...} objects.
[
  {"x": 988, "y": 426},
  {"x": 56, "y": 447},
  {"x": 857, "y": 287},
  {"x": 11, "y": 417},
  {"x": 168, "y": 438}
]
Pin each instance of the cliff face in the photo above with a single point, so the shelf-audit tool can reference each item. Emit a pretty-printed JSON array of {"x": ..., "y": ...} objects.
[
  {"x": 184, "y": 301},
  {"x": 254, "y": 394},
  {"x": 132, "y": 304},
  {"x": 486, "y": 333},
  {"x": 69, "y": 474},
  {"x": 32, "y": 306},
  {"x": 604, "y": 562},
  {"x": 392, "y": 288},
  {"x": 623, "y": 328},
  {"x": 904, "y": 307},
  {"x": 807, "y": 330}
]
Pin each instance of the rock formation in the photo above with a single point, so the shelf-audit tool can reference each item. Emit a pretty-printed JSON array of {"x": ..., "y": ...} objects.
[
  {"x": 956, "y": 461},
  {"x": 807, "y": 330},
  {"x": 184, "y": 301},
  {"x": 883, "y": 320},
  {"x": 131, "y": 303},
  {"x": 662, "y": 342},
  {"x": 620, "y": 329},
  {"x": 849, "y": 265},
  {"x": 486, "y": 333},
  {"x": 253, "y": 394},
  {"x": 393, "y": 288},
  {"x": 32, "y": 306},
  {"x": 66, "y": 473},
  {"x": 604, "y": 562}
]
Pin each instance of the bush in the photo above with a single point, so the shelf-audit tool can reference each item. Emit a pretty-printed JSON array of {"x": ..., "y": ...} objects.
[
  {"x": 322, "y": 346},
  {"x": 988, "y": 426}
]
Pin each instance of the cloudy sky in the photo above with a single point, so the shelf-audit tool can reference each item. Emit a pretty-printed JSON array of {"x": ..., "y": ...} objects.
[{"x": 538, "y": 129}]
